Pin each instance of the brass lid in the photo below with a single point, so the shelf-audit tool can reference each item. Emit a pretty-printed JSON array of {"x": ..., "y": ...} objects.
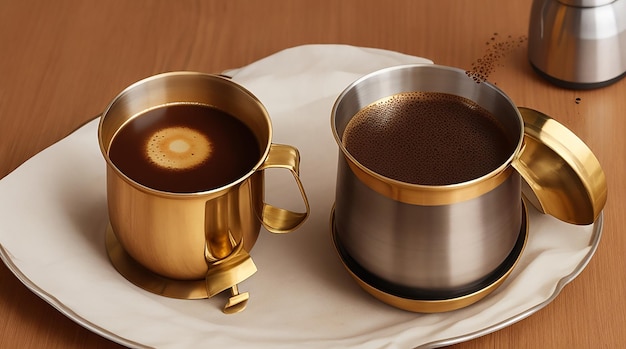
[{"x": 562, "y": 176}]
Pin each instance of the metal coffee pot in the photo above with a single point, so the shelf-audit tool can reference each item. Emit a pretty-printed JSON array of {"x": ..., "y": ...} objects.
[
  {"x": 435, "y": 248},
  {"x": 578, "y": 44}
]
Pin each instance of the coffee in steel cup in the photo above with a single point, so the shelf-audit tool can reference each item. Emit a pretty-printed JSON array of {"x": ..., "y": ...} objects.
[
  {"x": 428, "y": 212},
  {"x": 186, "y": 154}
]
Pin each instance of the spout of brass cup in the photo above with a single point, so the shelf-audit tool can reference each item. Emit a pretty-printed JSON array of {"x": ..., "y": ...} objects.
[
  {"x": 227, "y": 273},
  {"x": 228, "y": 263}
]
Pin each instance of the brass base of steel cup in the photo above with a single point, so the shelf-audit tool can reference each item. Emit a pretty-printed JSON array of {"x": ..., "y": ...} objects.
[
  {"x": 429, "y": 301},
  {"x": 193, "y": 245}
]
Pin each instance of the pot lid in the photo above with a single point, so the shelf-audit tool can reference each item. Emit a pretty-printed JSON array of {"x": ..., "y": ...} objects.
[{"x": 562, "y": 177}]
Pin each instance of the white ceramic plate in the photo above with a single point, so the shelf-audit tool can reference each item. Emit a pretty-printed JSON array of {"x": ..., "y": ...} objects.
[{"x": 53, "y": 214}]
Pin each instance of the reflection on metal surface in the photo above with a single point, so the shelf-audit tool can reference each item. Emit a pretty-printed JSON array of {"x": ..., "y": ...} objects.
[
  {"x": 563, "y": 177},
  {"x": 427, "y": 302},
  {"x": 425, "y": 195},
  {"x": 223, "y": 274},
  {"x": 227, "y": 272},
  {"x": 578, "y": 44},
  {"x": 593, "y": 244},
  {"x": 448, "y": 242},
  {"x": 149, "y": 281}
]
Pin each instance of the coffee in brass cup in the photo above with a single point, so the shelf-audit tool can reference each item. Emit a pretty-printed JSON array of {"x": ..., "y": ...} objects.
[
  {"x": 186, "y": 154},
  {"x": 434, "y": 173}
]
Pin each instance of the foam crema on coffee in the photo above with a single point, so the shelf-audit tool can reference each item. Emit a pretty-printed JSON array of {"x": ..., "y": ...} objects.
[
  {"x": 184, "y": 148},
  {"x": 178, "y": 148}
]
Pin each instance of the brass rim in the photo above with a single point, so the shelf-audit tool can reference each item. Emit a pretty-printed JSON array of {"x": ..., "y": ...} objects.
[
  {"x": 562, "y": 176},
  {"x": 382, "y": 292}
]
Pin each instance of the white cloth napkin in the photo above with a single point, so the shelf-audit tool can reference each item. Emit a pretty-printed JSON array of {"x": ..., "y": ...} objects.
[{"x": 53, "y": 218}]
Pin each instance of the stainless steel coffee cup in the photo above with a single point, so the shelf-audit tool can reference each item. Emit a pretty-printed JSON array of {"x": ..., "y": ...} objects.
[{"x": 434, "y": 242}]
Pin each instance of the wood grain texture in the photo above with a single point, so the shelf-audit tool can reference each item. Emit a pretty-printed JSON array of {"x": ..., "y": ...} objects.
[{"x": 62, "y": 61}]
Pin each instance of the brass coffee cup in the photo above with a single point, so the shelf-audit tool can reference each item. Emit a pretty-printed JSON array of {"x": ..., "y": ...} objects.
[
  {"x": 432, "y": 248},
  {"x": 193, "y": 245}
]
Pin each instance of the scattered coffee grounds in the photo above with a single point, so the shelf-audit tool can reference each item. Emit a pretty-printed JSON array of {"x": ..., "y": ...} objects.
[{"x": 497, "y": 49}]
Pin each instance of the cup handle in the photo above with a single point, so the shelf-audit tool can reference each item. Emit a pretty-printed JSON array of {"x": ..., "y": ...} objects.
[{"x": 279, "y": 220}]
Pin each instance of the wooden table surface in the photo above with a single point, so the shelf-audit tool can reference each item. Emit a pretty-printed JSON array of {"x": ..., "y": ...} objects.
[{"x": 62, "y": 61}]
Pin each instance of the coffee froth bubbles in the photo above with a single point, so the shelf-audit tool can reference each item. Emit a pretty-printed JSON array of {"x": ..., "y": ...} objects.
[
  {"x": 178, "y": 148},
  {"x": 427, "y": 138},
  {"x": 184, "y": 148}
]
